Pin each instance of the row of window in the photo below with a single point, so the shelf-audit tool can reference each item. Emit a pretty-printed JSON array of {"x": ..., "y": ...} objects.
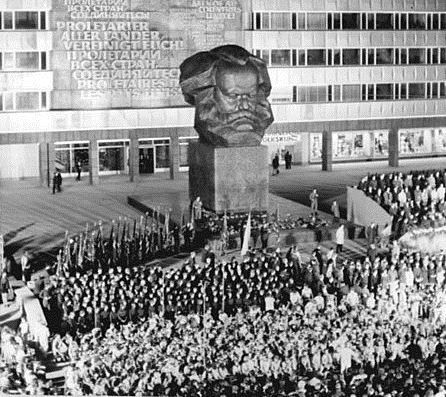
[
  {"x": 31, "y": 60},
  {"x": 352, "y": 56},
  {"x": 368, "y": 92},
  {"x": 348, "y": 21},
  {"x": 18, "y": 101}
]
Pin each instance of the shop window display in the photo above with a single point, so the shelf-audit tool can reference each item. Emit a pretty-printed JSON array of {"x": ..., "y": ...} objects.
[
  {"x": 381, "y": 143},
  {"x": 440, "y": 140},
  {"x": 349, "y": 145},
  {"x": 316, "y": 147},
  {"x": 412, "y": 142}
]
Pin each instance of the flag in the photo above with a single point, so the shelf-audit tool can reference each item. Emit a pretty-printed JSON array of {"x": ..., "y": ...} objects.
[
  {"x": 166, "y": 223},
  {"x": 246, "y": 236}
]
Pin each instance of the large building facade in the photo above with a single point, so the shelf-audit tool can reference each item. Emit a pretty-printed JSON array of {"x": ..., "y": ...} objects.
[{"x": 95, "y": 82}]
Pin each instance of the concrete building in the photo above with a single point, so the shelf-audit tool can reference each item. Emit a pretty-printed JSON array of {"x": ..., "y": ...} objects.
[{"x": 95, "y": 82}]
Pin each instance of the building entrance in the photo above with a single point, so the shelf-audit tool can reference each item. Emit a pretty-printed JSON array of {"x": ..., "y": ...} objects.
[{"x": 146, "y": 161}]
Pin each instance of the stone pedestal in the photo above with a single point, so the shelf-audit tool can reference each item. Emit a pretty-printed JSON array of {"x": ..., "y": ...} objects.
[{"x": 233, "y": 179}]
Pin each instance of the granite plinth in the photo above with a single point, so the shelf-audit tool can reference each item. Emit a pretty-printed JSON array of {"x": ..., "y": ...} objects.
[{"x": 233, "y": 179}]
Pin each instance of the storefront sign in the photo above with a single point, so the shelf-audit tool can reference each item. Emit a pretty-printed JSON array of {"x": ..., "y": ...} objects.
[{"x": 126, "y": 53}]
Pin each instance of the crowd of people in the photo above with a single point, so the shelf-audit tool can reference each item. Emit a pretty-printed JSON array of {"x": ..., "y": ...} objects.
[
  {"x": 271, "y": 324},
  {"x": 414, "y": 199},
  {"x": 265, "y": 325}
]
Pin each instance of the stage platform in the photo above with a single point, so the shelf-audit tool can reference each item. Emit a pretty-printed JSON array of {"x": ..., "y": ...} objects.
[{"x": 177, "y": 202}]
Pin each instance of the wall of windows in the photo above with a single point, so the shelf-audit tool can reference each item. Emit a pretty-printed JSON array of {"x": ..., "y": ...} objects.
[
  {"x": 266, "y": 20},
  {"x": 23, "y": 20},
  {"x": 366, "y": 92},
  {"x": 23, "y": 101},
  {"x": 352, "y": 56},
  {"x": 23, "y": 61}
]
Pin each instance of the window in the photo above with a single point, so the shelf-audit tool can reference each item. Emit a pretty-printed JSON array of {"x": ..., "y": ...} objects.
[
  {"x": 316, "y": 57},
  {"x": 280, "y": 58},
  {"x": 435, "y": 90},
  {"x": 417, "y": 56},
  {"x": 1, "y": 61},
  {"x": 265, "y": 21},
  {"x": 442, "y": 90},
  {"x": 368, "y": 92},
  {"x": 293, "y": 21},
  {"x": 42, "y": 20},
  {"x": 334, "y": 93},
  {"x": 384, "y": 56},
  {"x": 384, "y": 92},
  {"x": 371, "y": 56},
  {"x": 351, "y": 93},
  {"x": 1, "y": 102},
  {"x": 336, "y": 21},
  {"x": 384, "y": 21},
  {"x": 26, "y": 20},
  {"x": 8, "y": 61},
  {"x": 301, "y": 21},
  {"x": 316, "y": 21},
  {"x": 312, "y": 94},
  {"x": 417, "y": 21},
  {"x": 443, "y": 22},
  {"x": 350, "y": 57},
  {"x": 9, "y": 100},
  {"x": 435, "y": 55},
  {"x": 301, "y": 57},
  {"x": 443, "y": 55},
  {"x": 370, "y": 21},
  {"x": 350, "y": 21},
  {"x": 257, "y": 20},
  {"x": 43, "y": 60},
  {"x": 43, "y": 100},
  {"x": 403, "y": 91},
  {"x": 27, "y": 101},
  {"x": 280, "y": 21},
  {"x": 403, "y": 21},
  {"x": 7, "y": 20},
  {"x": 416, "y": 91},
  {"x": 403, "y": 56},
  {"x": 27, "y": 60}
]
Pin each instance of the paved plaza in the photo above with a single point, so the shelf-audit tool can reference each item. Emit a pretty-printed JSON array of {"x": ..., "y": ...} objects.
[{"x": 32, "y": 218}]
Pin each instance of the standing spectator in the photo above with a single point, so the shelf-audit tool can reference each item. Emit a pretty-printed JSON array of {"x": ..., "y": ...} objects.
[
  {"x": 4, "y": 287},
  {"x": 78, "y": 170},
  {"x": 288, "y": 160},
  {"x": 26, "y": 267},
  {"x": 339, "y": 239},
  {"x": 276, "y": 164},
  {"x": 335, "y": 211},
  {"x": 55, "y": 181},
  {"x": 314, "y": 202},
  {"x": 59, "y": 181}
]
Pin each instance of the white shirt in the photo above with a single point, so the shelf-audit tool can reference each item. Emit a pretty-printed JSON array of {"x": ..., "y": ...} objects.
[{"x": 269, "y": 303}]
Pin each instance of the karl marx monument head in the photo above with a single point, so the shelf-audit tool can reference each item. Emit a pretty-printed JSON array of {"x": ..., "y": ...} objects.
[{"x": 229, "y": 88}]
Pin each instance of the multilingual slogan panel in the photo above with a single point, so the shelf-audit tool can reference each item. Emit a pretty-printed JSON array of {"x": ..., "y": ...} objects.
[{"x": 126, "y": 53}]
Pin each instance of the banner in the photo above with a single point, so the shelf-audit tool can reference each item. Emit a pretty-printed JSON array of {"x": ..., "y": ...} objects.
[
  {"x": 246, "y": 236},
  {"x": 362, "y": 210},
  {"x": 127, "y": 53}
]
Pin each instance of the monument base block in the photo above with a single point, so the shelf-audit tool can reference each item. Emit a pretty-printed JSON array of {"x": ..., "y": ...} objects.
[{"x": 233, "y": 179}]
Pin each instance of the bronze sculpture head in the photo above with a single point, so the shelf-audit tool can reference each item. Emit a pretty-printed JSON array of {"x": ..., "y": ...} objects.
[{"x": 229, "y": 88}]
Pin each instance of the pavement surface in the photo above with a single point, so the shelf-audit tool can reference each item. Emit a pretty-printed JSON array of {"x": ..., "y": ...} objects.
[{"x": 33, "y": 219}]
